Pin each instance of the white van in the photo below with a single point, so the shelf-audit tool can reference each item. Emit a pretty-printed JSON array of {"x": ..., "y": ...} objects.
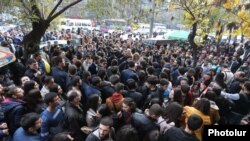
[{"x": 85, "y": 24}]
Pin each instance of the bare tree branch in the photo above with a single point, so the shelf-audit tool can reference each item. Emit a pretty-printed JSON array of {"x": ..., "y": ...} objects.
[
  {"x": 54, "y": 9},
  {"x": 36, "y": 11},
  {"x": 188, "y": 10},
  {"x": 25, "y": 7},
  {"x": 62, "y": 10}
]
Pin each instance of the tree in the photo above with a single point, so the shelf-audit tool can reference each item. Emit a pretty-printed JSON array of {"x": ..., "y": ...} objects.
[
  {"x": 40, "y": 17},
  {"x": 195, "y": 13},
  {"x": 130, "y": 10},
  {"x": 237, "y": 18}
]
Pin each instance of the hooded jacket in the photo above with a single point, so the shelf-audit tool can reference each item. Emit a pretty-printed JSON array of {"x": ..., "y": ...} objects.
[
  {"x": 13, "y": 110},
  {"x": 117, "y": 100}
]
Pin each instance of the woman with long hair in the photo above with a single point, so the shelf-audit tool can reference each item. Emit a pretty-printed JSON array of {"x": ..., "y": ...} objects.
[
  {"x": 92, "y": 117},
  {"x": 202, "y": 109}
]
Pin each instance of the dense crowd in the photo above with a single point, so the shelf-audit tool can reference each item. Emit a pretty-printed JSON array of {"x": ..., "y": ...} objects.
[{"x": 104, "y": 88}]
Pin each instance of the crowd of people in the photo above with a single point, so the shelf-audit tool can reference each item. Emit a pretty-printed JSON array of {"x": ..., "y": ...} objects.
[{"x": 103, "y": 88}]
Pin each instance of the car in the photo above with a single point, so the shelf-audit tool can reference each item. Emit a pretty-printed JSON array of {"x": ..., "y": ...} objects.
[
  {"x": 158, "y": 42},
  {"x": 62, "y": 43}
]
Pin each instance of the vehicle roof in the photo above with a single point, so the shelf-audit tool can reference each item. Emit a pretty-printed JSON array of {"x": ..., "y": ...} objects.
[{"x": 60, "y": 42}]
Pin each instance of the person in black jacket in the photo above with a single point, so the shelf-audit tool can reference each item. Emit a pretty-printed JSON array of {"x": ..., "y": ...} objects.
[
  {"x": 145, "y": 125},
  {"x": 104, "y": 132},
  {"x": 132, "y": 93},
  {"x": 74, "y": 117},
  {"x": 93, "y": 68},
  {"x": 14, "y": 108},
  {"x": 33, "y": 72},
  {"x": 194, "y": 122}
]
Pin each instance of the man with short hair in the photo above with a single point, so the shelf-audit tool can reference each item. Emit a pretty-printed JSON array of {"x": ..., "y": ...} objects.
[
  {"x": 194, "y": 122},
  {"x": 30, "y": 123},
  {"x": 104, "y": 132},
  {"x": 51, "y": 117},
  {"x": 33, "y": 71},
  {"x": 74, "y": 115},
  {"x": 129, "y": 73},
  {"x": 58, "y": 72}
]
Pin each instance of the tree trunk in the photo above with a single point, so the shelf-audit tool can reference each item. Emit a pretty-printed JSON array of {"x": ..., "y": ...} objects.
[
  {"x": 242, "y": 38},
  {"x": 230, "y": 36},
  {"x": 32, "y": 40},
  {"x": 191, "y": 37}
]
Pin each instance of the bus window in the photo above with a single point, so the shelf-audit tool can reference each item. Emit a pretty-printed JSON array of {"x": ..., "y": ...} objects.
[
  {"x": 71, "y": 24},
  {"x": 63, "y": 23},
  {"x": 77, "y": 24}
]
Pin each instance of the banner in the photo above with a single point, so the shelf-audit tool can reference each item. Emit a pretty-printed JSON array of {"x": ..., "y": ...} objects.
[{"x": 6, "y": 56}]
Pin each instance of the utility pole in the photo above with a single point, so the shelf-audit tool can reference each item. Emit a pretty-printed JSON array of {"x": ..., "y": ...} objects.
[{"x": 152, "y": 18}]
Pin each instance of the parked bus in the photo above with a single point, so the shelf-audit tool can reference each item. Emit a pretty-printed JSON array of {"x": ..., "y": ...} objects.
[
  {"x": 110, "y": 25},
  {"x": 67, "y": 23}
]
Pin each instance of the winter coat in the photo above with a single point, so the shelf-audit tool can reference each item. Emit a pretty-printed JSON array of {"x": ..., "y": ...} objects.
[{"x": 14, "y": 109}]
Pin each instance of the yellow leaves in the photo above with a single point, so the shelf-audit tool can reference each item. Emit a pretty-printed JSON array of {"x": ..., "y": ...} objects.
[
  {"x": 172, "y": 6},
  {"x": 230, "y": 4},
  {"x": 243, "y": 14},
  {"x": 205, "y": 21},
  {"x": 246, "y": 29}
]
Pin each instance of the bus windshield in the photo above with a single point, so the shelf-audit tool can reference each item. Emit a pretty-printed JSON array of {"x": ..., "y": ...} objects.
[{"x": 114, "y": 24}]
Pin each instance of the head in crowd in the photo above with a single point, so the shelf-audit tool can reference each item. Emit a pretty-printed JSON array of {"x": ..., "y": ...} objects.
[
  {"x": 155, "y": 111},
  {"x": 86, "y": 76},
  {"x": 33, "y": 96},
  {"x": 176, "y": 95},
  {"x": 152, "y": 81},
  {"x": 48, "y": 81},
  {"x": 115, "y": 70},
  {"x": 29, "y": 85},
  {"x": 119, "y": 87},
  {"x": 129, "y": 105},
  {"x": 37, "y": 56},
  {"x": 64, "y": 136},
  {"x": 194, "y": 122},
  {"x": 150, "y": 70},
  {"x": 52, "y": 99},
  {"x": 210, "y": 95},
  {"x": 96, "y": 81},
  {"x": 59, "y": 62},
  {"x": 131, "y": 64},
  {"x": 93, "y": 102},
  {"x": 164, "y": 84},
  {"x": 15, "y": 92},
  {"x": 219, "y": 79},
  {"x": 172, "y": 113},
  {"x": 103, "y": 110},
  {"x": 114, "y": 79},
  {"x": 127, "y": 133},
  {"x": 142, "y": 75},
  {"x": 102, "y": 73},
  {"x": 203, "y": 105},
  {"x": 76, "y": 81},
  {"x": 105, "y": 127},
  {"x": 31, "y": 122},
  {"x": 56, "y": 88},
  {"x": 131, "y": 84},
  {"x": 246, "y": 87},
  {"x": 72, "y": 69},
  {"x": 74, "y": 97},
  {"x": 32, "y": 64},
  {"x": 24, "y": 79}
]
